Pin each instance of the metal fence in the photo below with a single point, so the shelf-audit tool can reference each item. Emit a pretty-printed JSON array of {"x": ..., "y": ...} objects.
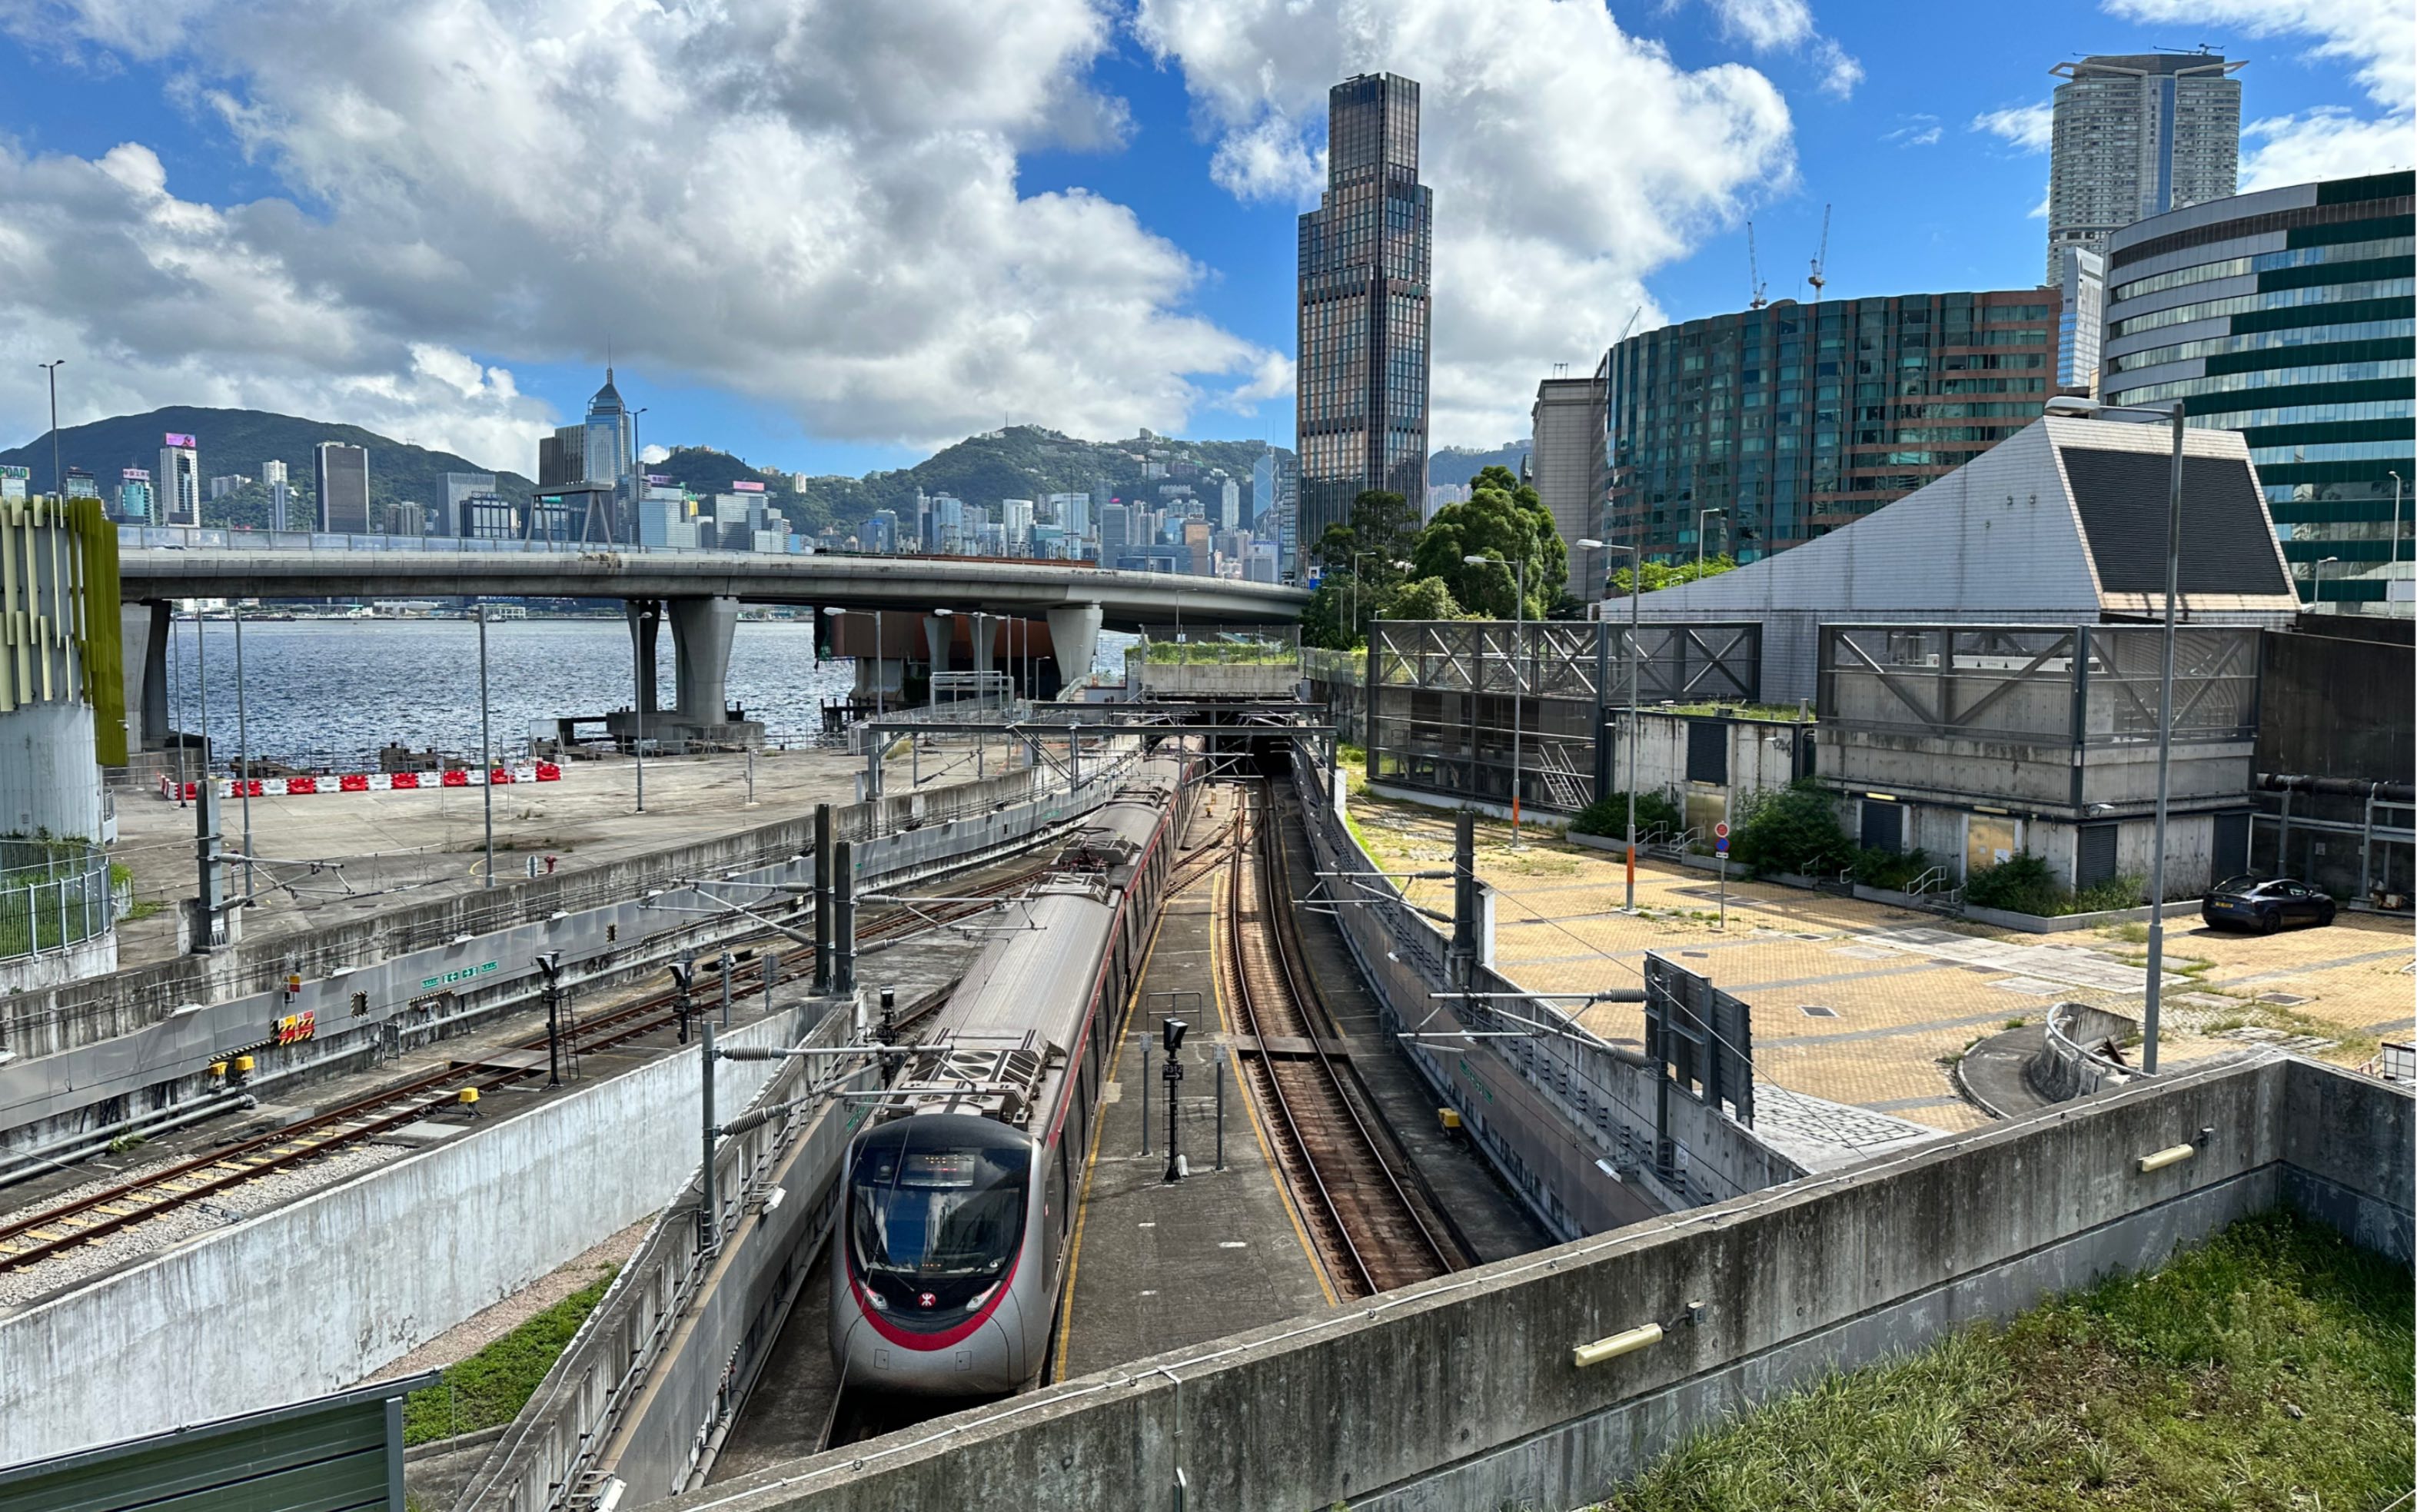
[
  {"x": 1481, "y": 709},
  {"x": 54, "y": 894},
  {"x": 2089, "y": 685}
]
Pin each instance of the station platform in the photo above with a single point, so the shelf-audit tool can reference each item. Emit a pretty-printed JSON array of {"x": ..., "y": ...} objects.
[{"x": 1160, "y": 1264}]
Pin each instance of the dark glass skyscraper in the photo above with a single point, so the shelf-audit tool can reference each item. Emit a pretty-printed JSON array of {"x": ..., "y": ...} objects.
[{"x": 1364, "y": 259}]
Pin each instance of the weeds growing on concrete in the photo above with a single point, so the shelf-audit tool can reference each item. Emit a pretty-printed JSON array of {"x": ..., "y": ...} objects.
[
  {"x": 2268, "y": 1368},
  {"x": 492, "y": 1386}
]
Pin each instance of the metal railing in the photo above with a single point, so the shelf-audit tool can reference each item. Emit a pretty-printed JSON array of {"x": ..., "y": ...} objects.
[{"x": 53, "y": 895}]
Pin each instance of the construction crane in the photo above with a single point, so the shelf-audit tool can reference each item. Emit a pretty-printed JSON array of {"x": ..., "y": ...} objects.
[
  {"x": 1817, "y": 278},
  {"x": 1753, "y": 271}
]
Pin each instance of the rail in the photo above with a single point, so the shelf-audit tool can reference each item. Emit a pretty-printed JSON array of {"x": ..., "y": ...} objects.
[{"x": 1372, "y": 1226}]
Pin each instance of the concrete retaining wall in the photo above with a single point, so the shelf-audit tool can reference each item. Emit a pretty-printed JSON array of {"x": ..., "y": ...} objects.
[
  {"x": 319, "y": 1294},
  {"x": 361, "y": 996},
  {"x": 1462, "y": 1393},
  {"x": 1563, "y": 1120},
  {"x": 644, "y": 1390}
]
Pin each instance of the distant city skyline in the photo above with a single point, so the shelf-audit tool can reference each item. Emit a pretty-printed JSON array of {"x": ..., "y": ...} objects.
[{"x": 1173, "y": 148}]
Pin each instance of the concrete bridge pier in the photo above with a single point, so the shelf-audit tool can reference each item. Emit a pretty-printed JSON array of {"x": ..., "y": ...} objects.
[
  {"x": 645, "y": 620},
  {"x": 1074, "y": 635},
  {"x": 142, "y": 630},
  {"x": 985, "y": 636},
  {"x": 936, "y": 640},
  {"x": 701, "y": 632}
]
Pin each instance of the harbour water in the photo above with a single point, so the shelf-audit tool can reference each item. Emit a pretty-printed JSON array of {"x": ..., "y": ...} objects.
[{"x": 332, "y": 691}]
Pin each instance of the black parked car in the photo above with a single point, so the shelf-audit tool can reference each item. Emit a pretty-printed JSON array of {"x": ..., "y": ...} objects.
[{"x": 2264, "y": 904}]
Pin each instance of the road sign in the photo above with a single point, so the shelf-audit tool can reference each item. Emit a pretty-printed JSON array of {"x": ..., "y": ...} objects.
[
  {"x": 1721, "y": 830},
  {"x": 1722, "y": 845}
]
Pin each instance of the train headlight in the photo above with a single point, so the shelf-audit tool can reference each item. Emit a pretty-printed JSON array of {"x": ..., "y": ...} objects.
[
  {"x": 880, "y": 1302},
  {"x": 983, "y": 1296}
]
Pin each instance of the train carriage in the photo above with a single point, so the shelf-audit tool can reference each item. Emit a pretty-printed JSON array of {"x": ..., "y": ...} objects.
[{"x": 959, "y": 1189}]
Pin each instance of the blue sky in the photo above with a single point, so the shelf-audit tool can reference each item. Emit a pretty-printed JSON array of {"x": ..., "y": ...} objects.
[{"x": 1125, "y": 264}]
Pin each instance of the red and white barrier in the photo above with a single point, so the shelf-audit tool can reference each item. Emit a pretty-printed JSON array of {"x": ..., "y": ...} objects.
[{"x": 299, "y": 787}]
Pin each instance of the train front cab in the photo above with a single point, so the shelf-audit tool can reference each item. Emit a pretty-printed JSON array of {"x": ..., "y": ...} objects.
[{"x": 947, "y": 1257}]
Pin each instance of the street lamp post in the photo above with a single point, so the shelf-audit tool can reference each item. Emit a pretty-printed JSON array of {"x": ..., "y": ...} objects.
[
  {"x": 2392, "y": 552},
  {"x": 1518, "y": 681},
  {"x": 1635, "y": 649},
  {"x": 58, "y": 480},
  {"x": 2077, "y": 408},
  {"x": 2317, "y": 572}
]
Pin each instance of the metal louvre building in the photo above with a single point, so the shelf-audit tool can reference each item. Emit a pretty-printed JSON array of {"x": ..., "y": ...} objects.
[
  {"x": 1365, "y": 254},
  {"x": 2287, "y": 315},
  {"x": 1450, "y": 701}
]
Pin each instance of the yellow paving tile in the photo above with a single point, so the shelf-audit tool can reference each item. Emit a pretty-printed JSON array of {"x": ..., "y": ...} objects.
[{"x": 1898, "y": 1014}]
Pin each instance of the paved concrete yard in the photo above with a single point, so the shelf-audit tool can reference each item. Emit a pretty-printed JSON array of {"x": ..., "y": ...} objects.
[
  {"x": 1867, "y": 1005},
  {"x": 407, "y": 846}
]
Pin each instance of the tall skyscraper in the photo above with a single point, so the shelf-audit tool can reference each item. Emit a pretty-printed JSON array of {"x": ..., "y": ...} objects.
[
  {"x": 179, "y": 480},
  {"x": 342, "y": 474},
  {"x": 2081, "y": 321},
  {"x": 1567, "y": 425},
  {"x": 272, "y": 472},
  {"x": 1365, "y": 257},
  {"x": 2136, "y": 135},
  {"x": 609, "y": 452}
]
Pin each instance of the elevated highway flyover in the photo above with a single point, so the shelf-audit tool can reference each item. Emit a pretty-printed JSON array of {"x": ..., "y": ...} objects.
[{"x": 893, "y": 603}]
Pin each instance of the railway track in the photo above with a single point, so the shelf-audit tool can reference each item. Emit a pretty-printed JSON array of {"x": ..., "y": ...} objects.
[
  {"x": 1366, "y": 1217},
  {"x": 28, "y": 1239}
]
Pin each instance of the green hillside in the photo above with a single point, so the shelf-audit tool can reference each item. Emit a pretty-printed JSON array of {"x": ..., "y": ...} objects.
[
  {"x": 1018, "y": 462},
  {"x": 238, "y": 441},
  {"x": 1456, "y": 465}
]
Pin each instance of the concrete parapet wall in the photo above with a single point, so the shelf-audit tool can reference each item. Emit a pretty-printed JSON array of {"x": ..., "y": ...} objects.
[
  {"x": 1462, "y": 1392},
  {"x": 2068, "y": 1066},
  {"x": 319, "y": 1294}
]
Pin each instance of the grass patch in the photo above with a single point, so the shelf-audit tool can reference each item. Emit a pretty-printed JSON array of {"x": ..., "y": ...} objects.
[
  {"x": 2266, "y": 1368},
  {"x": 493, "y": 1385}
]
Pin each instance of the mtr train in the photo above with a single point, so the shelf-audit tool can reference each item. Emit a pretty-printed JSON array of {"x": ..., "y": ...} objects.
[{"x": 960, "y": 1188}]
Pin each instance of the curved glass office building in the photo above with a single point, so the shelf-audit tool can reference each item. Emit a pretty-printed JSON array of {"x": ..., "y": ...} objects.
[
  {"x": 2288, "y": 315},
  {"x": 1752, "y": 431}
]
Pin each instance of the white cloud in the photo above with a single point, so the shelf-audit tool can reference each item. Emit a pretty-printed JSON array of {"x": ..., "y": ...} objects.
[
  {"x": 812, "y": 202},
  {"x": 1918, "y": 130},
  {"x": 1272, "y": 380},
  {"x": 2029, "y": 127},
  {"x": 1786, "y": 25},
  {"x": 1568, "y": 158},
  {"x": 2323, "y": 144},
  {"x": 2376, "y": 39},
  {"x": 1269, "y": 161},
  {"x": 1764, "y": 24},
  {"x": 1840, "y": 73}
]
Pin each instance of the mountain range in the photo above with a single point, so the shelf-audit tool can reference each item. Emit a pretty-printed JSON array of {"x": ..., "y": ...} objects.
[
  {"x": 1017, "y": 462},
  {"x": 238, "y": 441}
]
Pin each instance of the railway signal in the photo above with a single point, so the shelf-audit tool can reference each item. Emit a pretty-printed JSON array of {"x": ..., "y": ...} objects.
[
  {"x": 1171, "y": 1034},
  {"x": 549, "y": 963},
  {"x": 683, "y": 971}
]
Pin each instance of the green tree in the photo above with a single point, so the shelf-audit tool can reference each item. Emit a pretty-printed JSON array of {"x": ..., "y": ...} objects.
[
  {"x": 1502, "y": 518},
  {"x": 1326, "y": 621},
  {"x": 1422, "y": 598}
]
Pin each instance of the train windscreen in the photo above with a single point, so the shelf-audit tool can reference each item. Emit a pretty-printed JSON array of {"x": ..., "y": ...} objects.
[{"x": 935, "y": 1214}]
